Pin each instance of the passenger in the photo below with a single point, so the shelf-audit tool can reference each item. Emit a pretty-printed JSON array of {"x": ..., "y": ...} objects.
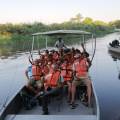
[
  {"x": 30, "y": 91},
  {"x": 66, "y": 72},
  {"x": 55, "y": 56},
  {"x": 52, "y": 87},
  {"x": 80, "y": 68},
  {"x": 31, "y": 83},
  {"x": 45, "y": 68},
  {"x": 46, "y": 56},
  {"x": 37, "y": 74},
  {"x": 60, "y": 44}
]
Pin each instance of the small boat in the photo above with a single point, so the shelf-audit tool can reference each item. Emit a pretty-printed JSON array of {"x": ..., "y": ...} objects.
[
  {"x": 114, "y": 46},
  {"x": 114, "y": 49},
  {"x": 59, "y": 109}
]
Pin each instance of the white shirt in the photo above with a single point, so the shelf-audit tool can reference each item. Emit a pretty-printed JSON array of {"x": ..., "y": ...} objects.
[{"x": 59, "y": 45}]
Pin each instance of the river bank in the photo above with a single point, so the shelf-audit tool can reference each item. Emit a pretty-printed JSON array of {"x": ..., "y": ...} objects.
[{"x": 17, "y": 37}]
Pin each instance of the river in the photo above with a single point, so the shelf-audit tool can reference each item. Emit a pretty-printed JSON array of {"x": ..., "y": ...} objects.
[{"x": 104, "y": 73}]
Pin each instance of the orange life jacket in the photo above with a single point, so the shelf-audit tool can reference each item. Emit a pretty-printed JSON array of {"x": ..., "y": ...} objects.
[
  {"x": 51, "y": 69},
  {"x": 45, "y": 69},
  {"x": 47, "y": 81},
  {"x": 63, "y": 71},
  {"x": 66, "y": 71},
  {"x": 81, "y": 67},
  {"x": 54, "y": 78},
  {"x": 69, "y": 72},
  {"x": 36, "y": 72}
]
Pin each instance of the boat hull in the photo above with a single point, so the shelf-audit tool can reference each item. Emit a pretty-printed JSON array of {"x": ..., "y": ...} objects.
[
  {"x": 15, "y": 107},
  {"x": 114, "y": 49}
]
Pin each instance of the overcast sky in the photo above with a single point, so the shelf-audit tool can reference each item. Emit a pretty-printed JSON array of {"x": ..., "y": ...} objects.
[{"x": 50, "y": 11}]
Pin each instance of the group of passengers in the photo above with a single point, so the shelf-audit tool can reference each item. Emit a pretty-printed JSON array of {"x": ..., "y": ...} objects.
[{"x": 53, "y": 69}]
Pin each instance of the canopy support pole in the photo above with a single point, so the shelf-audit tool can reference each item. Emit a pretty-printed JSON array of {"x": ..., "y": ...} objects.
[
  {"x": 46, "y": 43},
  {"x": 83, "y": 39},
  {"x": 33, "y": 44},
  {"x": 38, "y": 42}
]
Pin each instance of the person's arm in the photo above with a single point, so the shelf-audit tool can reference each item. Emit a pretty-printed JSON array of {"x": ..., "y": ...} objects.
[
  {"x": 56, "y": 44},
  {"x": 30, "y": 61},
  {"x": 84, "y": 50},
  {"x": 64, "y": 45},
  {"x": 89, "y": 62},
  {"x": 26, "y": 73}
]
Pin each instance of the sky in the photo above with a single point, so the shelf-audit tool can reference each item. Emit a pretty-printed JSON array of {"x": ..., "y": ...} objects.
[{"x": 57, "y": 11}]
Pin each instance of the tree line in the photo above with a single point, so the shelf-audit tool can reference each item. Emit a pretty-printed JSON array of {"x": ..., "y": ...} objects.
[{"x": 17, "y": 37}]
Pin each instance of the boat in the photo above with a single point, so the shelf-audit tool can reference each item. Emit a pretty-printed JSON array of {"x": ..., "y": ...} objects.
[
  {"x": 114, "y": 49},
  {"x": 59, "y": 108},
  {"x": 114, "y": 46}
]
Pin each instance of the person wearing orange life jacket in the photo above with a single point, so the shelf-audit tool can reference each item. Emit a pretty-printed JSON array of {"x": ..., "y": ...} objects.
[
  {"x": 66, "y": 72},
  {"x": 37, "y": 74},
  {"x": 54, "y": 81},
  {"x": 45, "y": 69},
  {"x": 52, "y": 87},
  {"x": 46, "y": 56},
  {"x": 34, "y": 85},
  {"x": 50, "y": 66},
  {"x": 81, "y": 66},
  {"x": 31, "y": 84},
  {"x": 55, "y": 56}
]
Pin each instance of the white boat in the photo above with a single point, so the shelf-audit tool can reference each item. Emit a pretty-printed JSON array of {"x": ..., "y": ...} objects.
[
  {"x": 59, "y": 109},
  {"x": 114, "y": 49},
  {"x": 114, "y": 46}
]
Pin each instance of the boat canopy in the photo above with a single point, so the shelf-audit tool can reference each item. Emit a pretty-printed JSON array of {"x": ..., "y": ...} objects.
[{"x": 63, "y": 32}]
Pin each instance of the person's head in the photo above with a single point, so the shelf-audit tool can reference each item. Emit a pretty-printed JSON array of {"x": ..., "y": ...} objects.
[
  {"x": 78, "y": 51},
  {"x": 46, "y": 52},
  {"x": 36, "y": 62},
  {"x": 77, "y": 56},
  {"x": 50, "y": 61},
  {"x": 73, "y": 49},
  {"x": 60, "y": 39}
]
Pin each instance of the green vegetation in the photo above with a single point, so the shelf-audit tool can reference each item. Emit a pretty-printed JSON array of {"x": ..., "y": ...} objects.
[{"x": 17, "y": 37}]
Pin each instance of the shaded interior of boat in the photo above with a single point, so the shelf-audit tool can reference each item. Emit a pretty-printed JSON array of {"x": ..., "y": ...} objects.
[{"x": 58, "y": 108}]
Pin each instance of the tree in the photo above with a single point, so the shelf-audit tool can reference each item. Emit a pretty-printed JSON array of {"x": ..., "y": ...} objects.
[
  {"x": 100, "y": 23},
  {"x": 115, "y": 23},
  {"x": 88, "y": 20},
  {"x": 77, "y": 18}
]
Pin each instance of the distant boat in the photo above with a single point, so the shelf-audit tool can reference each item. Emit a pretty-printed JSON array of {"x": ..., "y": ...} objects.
[
  {"x": 114, "y": 46},
  {"x": 114, "y": 49},
  {"x": 58, "y": 111}
]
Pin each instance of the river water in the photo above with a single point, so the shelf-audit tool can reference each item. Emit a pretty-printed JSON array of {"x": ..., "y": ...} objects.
[{"x": 104, "y": 73}]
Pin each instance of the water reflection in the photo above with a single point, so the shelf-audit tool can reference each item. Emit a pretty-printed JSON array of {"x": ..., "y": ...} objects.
[{"x": 116, "y": 59}]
